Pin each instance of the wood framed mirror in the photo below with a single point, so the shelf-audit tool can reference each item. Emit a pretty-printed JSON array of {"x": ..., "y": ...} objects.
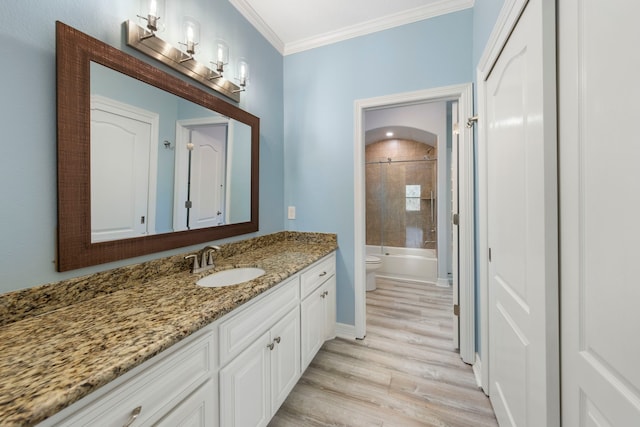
[{"x": 77, "y": 56}]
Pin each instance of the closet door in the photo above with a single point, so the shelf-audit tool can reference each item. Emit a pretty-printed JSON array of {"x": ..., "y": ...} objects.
[{"x": 598, "y": 62}]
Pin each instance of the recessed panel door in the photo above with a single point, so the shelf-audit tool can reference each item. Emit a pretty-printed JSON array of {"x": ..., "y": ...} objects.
[{"x": 522, "y": 227}]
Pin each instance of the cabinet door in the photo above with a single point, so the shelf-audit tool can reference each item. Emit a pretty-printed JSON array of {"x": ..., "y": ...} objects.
[
  {"x": 245, "y": 387},
  {"x": 312, "y": 325},
  {"x": 197, "y": 410},
  {"x": 330, "y": 308},
  {"x": 285, "y": 357}
]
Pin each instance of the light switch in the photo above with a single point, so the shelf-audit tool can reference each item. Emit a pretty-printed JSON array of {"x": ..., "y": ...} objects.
[{"x": 291, "y": 212}]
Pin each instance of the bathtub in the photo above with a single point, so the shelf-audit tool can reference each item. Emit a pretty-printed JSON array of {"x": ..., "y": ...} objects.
[{"x": 416, "y": 265}]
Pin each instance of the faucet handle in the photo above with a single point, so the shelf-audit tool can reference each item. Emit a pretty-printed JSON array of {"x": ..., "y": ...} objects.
[{"x": 196, "y": 263}]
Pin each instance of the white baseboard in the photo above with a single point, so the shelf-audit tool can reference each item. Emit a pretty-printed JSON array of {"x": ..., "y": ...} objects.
[
  {"x": 345, "y": 331},
  {"x": 477, "y": 371},
  {"x": 443, "y": 282}
]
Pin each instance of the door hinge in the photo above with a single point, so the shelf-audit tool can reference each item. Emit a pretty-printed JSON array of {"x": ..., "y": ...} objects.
[
  {"x": 142, "y": 219},
  {"x": 188, "y": 204},
  {"x": 489, "y": 254},
  {"x": 456, "y": 219},
  {"x": 456, "y": 310}
]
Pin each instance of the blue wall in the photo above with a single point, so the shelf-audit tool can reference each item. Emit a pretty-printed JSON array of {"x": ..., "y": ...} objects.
[
  {"x": 485, "y": 14},
  {"x": 28, "y": 115},
  {"x": 320, "y": 87}
]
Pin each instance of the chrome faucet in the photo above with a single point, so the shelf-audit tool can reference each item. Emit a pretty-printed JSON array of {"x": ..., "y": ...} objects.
[{"x": 203, "y": 260}]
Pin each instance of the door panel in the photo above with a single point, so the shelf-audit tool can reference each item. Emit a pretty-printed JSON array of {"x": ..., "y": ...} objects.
[
  {"x": 119, "y": 201},
  {"x": 600, "y": 200},
  {"x": 455, "y": 283},
  {"x": 522, "y": 227},
  {"x": 208, "y": 173}
]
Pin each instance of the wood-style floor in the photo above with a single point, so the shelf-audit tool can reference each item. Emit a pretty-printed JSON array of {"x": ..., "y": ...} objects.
[{"x": 404, "y": 373}]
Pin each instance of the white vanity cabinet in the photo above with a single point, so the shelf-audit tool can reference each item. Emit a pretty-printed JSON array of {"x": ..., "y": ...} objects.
[
  {"x": 235, "y": 372},
  {"x": 318, "y": 307},
  {"x": 255, "y": 383},
  {"x": 179, "y": 383}
]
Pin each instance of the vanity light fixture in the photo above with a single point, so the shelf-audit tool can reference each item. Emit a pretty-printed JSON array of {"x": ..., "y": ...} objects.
[
  {"x": 191, "y": 31},
  {"x": 221, "y": 59},
  {"x": 152, "y": 11},
  {"x": 243, "y": 75},
  {"x": 141, "y": 39}
]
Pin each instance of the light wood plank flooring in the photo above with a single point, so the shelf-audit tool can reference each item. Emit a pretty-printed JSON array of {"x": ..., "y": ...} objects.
[{"x": 404, "y": 373}]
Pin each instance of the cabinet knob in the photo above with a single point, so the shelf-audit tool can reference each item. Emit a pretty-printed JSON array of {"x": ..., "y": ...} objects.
[
  {"x": 276, "y": 340},
  {"x": 323, "y": 295},
  {"x": 133, "y": 416},
  {"x": 324, "y": 273},
  {"x": 271, "y": 346}
]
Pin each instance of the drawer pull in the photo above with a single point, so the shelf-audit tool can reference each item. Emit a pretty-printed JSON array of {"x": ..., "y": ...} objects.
[
  {"x": 324, "y": 273},
  {"x": 133, "y": 416},
  {"x": 276, "y": 340},
  {"x": 271, "y": 346}
]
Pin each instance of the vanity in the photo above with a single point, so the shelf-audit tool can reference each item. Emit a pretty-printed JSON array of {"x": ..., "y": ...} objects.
[
  {"x": 160, "y": 350},
  {"x": 144, "y": 344}
]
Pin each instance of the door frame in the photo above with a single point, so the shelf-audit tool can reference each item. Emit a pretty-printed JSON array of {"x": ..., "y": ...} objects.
[
  {"x": 183, "y": 128},
  {"x": 506, "y": 22},
  {"x": 464, "y": 95}
]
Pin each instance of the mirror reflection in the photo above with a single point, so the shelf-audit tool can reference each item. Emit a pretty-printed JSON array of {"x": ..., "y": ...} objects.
[{"x": 160, "y": 163}]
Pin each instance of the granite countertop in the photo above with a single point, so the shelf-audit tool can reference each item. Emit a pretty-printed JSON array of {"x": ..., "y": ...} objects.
[{"x": 60, "y": 342}]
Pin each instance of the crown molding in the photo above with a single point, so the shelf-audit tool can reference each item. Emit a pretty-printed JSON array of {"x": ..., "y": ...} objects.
[
  {"x": 432, "y": 10},
  {"x": 407, "y": 17},
  {"x": 258, "y": 23}
]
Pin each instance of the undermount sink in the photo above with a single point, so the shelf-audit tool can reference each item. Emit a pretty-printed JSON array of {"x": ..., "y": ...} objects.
[{"x": 230, "y": 277}]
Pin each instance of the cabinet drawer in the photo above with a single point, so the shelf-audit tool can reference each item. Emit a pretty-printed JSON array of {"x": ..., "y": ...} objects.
[
  {"x": 156, "y": 390},
  {"x": 246, "y": 326},
  {"x": 317, "y": 274}
]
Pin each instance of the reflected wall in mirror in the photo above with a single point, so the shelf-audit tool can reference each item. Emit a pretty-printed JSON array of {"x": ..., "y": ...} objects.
[
  {"x": 146, "y": 162},
  {"x": 160, "y": 163}
]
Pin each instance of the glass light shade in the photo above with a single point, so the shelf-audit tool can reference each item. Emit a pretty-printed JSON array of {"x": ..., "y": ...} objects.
[
  {"x": 191, "y": 34},
  {"x": 152, "y": 14},
  {"x": 220, "y": 56},
  {"x": 243, "y": 72}
]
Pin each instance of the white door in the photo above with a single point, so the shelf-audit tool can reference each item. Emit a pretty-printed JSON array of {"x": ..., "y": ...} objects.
[
  {"x": 208, "y": 160},
  {"x": 245, "y": 387},
  {"x": 285, "y": 358},
  {"x": 522, "y": 224},
  {"x": 121, "y": 165},
  {"x": 454, "y": 228},
  {"x": 600, "y": 201}
]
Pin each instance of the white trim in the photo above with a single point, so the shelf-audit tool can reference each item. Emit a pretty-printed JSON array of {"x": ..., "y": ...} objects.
[
  {"x": 477, "y": 370},
  {"x": 443, "y": 283},
  {"x": 509, "y": 14},
  {"x": 384, "y": 23},
  {"x": 259, "y": 24},
  {"x": 345, "y": 331},
  {"x": 463, "y": 93},
  {"x": 420, "y": 13}
]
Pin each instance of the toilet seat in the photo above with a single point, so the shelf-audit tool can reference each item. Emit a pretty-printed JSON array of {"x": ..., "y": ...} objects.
[{"x": 373, "y": 260}]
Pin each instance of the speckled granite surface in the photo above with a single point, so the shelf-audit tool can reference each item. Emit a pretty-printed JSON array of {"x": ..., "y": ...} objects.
[{"x": 60, "y": 342}]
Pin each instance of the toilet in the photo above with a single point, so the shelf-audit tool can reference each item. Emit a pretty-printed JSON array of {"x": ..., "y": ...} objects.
[{"x": 373, "y": 263}]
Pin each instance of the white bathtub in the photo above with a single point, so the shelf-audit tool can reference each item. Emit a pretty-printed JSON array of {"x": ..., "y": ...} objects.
[{"x": 416, "y": 265}]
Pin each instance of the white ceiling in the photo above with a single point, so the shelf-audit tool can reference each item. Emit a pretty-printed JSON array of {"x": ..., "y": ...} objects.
[{"x": 296, "y": 25}]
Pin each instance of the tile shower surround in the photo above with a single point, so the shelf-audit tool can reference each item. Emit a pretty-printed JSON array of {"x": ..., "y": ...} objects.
[{"x": 400, "y": 228}]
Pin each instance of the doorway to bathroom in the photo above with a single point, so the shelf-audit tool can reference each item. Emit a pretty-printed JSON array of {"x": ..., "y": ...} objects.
[
  {"x": 407, "y": 202},
  {"x": 414, "y": 168}
]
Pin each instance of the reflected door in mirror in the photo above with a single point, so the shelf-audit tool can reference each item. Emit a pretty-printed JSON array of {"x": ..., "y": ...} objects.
[{"x": 122, "y": 176}]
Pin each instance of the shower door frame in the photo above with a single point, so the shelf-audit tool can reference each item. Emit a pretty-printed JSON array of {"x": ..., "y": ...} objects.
[{"x": 464, "y": 95}]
